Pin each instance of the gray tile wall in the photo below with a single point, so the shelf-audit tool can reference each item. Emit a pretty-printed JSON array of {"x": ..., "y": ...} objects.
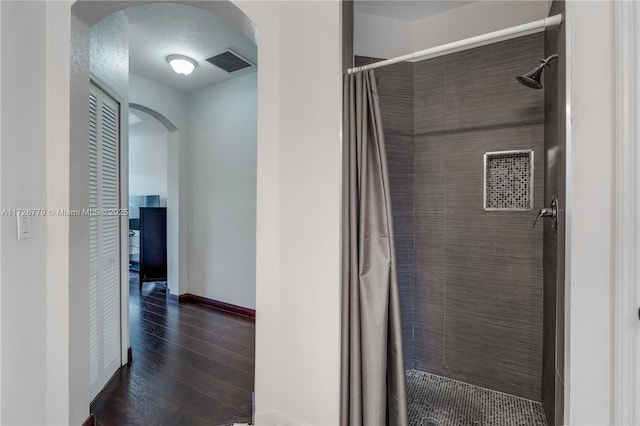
[
  {"x": 478, "y": 303},
  {"x": 347, "y": 34},
  {"x": 471, "y": 283},
  {"x": 553, "y": 352}
]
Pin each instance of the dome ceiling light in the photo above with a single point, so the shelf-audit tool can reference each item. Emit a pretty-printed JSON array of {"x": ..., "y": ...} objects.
[{"x": 181, "y": 64}]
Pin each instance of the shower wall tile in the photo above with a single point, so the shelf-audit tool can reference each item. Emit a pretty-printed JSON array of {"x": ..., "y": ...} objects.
[
  {"x": 493, "y": 64},
  {"x": 559, "y": 402},
  {"x": 429, "y": 98},
  {"x": 495, "y": 260},
  {"x": 406, "y": 289},
  {"x": 552, "y": 147},
  {"x": 550, "y": 294},
  {"x": 560, "y": 294},
  {"x": 506, "y": 105},
  {"x": 429, "y": 306},
  {"x": 406, "y": 278},
  {"x": 554, "y": 238},
  {"x": 490, "y": 340},
  {"x": 429, "y": 172},
  {"x": 347, "y": 34},
  {"x": 478, "y": 283},
  {"x": 400, "y": 154}
]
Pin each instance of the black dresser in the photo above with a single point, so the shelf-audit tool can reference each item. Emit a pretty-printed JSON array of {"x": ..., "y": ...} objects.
[{"x": 153, "y": 244}]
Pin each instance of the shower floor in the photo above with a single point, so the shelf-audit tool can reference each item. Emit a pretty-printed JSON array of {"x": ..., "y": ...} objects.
[{"x": 438, "y": 401}]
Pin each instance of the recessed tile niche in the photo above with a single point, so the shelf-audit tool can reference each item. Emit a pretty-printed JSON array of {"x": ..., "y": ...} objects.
[{"x": 508, "y": 180}]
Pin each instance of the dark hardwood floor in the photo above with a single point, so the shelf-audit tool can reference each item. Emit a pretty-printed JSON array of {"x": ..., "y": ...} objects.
[{"x": 192, "y": 365}]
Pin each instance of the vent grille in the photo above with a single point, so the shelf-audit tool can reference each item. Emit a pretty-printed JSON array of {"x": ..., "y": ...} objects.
[
  {"x": 229, "y": 61},
  {"x": 508, "y": 180}
]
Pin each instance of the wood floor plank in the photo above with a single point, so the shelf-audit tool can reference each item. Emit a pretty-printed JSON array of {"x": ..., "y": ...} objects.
[
  {"x": 168, "y": 387},
  {"x": 228, "y": 337},
  {"x": 195, "y": 313},
  {"x": 226, "y": 392},
  {"x": 240, "y": 344},
  {"x": 193, "y": 365},
  {"x": 227, "y": 357},
  {"x": 179, "y": 312},
  {"x": 131, "y": 400},
  {"x": 202, "y": 362}
]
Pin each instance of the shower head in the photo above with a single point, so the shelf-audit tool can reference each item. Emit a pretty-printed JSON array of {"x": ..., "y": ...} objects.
[{"x": 532, "y": 78}]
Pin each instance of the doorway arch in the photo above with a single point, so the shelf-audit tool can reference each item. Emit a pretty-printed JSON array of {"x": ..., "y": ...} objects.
[
  {"x": 155, "y": 114},
  {"x": 176, "y": 255},
  {"x": 84, "y": 15}
]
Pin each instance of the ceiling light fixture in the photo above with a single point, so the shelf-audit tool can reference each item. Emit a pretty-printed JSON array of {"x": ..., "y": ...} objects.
[{"x": 181, "y": 64}]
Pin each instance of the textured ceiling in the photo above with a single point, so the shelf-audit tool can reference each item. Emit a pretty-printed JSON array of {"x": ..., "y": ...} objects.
[
  {"x": 160, "y": 29},
  {"x": 406, "y": 10}
]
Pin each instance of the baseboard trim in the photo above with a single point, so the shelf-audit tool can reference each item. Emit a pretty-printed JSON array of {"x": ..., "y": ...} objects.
[
  {"x": 179, "y": 298},
  {"x": 217, "y": 304},
  {"x": 91, "y": 420},
  {"x": 279, "y": 418}
]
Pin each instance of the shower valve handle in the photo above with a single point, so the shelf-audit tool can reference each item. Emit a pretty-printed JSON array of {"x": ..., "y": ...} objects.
[{"x": 551, "y": 212}]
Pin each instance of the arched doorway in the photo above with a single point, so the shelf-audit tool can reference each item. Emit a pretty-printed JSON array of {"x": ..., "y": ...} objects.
[
  {"x": 165, "y": 179},
  {"x": 94, "y": 14}
]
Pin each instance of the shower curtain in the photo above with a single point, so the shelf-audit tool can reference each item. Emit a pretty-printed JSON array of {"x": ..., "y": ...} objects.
[{"x": 372, "y": 387}]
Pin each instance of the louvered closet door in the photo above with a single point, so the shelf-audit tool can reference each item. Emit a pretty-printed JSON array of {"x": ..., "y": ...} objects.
[{"x": 104, "y": 239}]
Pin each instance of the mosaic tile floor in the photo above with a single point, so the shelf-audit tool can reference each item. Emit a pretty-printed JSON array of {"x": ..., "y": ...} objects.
[{"x": 438, "y": 401}]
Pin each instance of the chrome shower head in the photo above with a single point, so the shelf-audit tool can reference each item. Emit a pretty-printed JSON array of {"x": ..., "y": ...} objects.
[{"x": 533, "y": 77}]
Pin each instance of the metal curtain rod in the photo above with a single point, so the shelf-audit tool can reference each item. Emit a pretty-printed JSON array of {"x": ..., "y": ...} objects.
[{"x": 468, "y": 43}]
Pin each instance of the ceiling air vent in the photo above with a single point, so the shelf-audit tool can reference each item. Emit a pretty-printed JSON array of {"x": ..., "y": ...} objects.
[{"x": 229, "y": 61}]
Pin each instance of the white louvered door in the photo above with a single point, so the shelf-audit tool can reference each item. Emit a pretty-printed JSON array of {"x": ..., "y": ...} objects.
[{"x": 104, "y": 239}]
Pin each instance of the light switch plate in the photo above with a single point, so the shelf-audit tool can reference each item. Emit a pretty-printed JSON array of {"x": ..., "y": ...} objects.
[{"x": 24, "y": 227}]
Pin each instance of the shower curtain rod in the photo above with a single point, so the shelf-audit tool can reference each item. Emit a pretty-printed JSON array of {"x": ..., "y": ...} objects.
[{"x": 469, "y": 43}]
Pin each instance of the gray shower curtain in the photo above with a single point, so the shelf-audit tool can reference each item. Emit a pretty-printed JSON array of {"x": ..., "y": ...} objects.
[{"x": 373, "y": 390}]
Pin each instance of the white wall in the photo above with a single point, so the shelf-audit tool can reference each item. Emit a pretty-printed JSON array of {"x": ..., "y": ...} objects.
[
  {"x": 298, "y": 233},
  {"x": 222, "y": 232},
  {"x": 78, "y": 151},
  {"x": 23, "y": 176},
  {"x": 58, "y": 236},
  {"x": 588, "y": 371},
  {"x": 0, "y": 226},
  {"x": 148, "y": 162},
  {"x": 474, "y": 19},
  {"x": 171, "y": 106},
  {"x": 381, "y": 37},
  {"x": 385, "y": 38}
]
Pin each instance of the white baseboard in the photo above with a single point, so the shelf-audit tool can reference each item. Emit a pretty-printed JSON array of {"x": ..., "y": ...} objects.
[
  {"x": 277, "y": 418},
  {"x": 265, "y": 418}
]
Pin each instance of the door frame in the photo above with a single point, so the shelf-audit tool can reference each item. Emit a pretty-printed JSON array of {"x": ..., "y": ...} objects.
[
  {"x": 626, "y": 197},
  {"x": 602, "y": 371}
]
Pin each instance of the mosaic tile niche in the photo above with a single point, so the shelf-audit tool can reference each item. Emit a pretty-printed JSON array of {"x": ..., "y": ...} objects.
[{"x": 508, "y": 180}]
